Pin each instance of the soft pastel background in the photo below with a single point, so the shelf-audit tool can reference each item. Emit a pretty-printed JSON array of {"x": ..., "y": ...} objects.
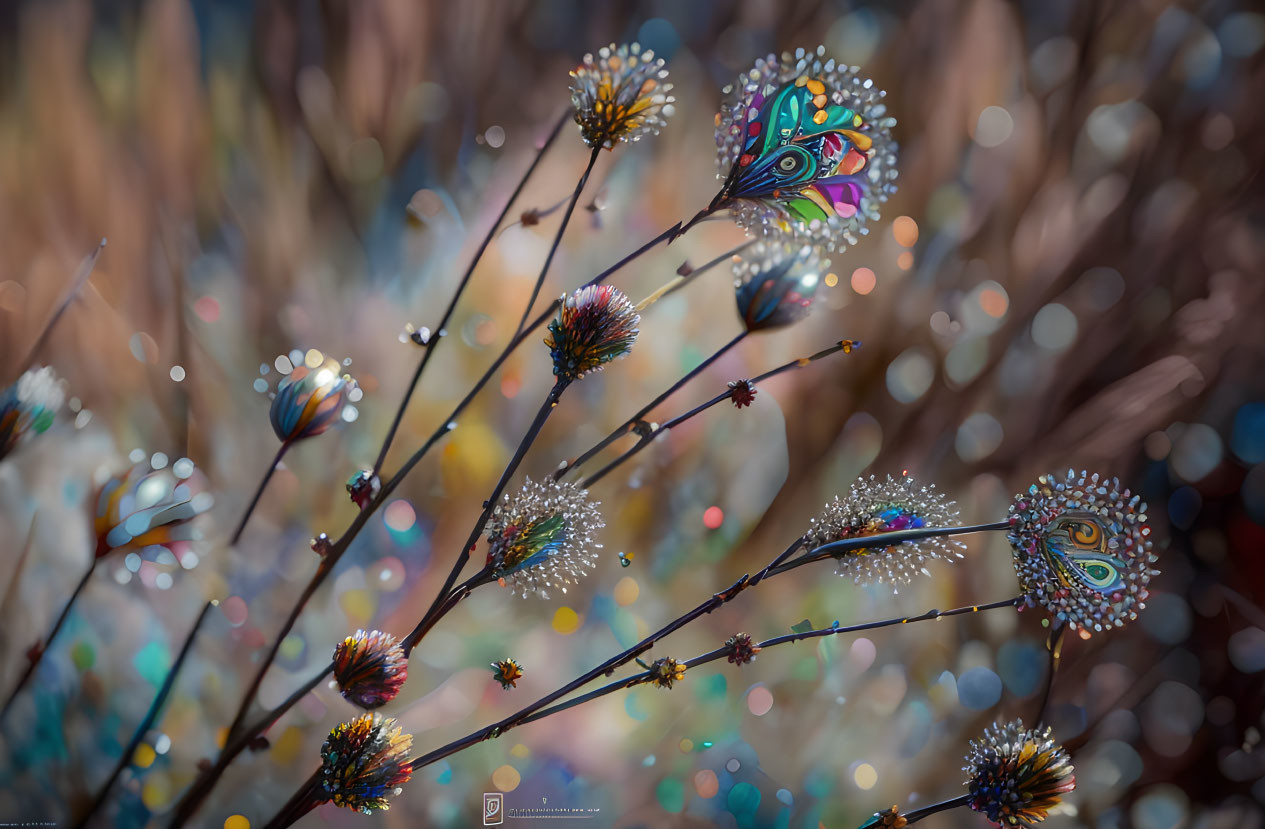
[{"x": 1070, "y": 275}]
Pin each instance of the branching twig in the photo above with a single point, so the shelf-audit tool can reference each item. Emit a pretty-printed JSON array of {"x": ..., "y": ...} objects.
[
  {"x": 442, "y": 325},
  {"x": 647, "y": 438}
]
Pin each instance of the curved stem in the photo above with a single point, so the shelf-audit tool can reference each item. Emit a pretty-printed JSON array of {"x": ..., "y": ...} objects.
[
  {"x": 306, "y": 798},
  {"x": 259, "y": 493},
  {"x": 845, "y": 346},
  {"x": 38, "y": 655},
  {"x": 440, "y": 327},
  {"x": 85, "y": 271},
  {"x": 427, "y": 620},
  {"x": 1054, "y": 646},
  {"x": 943, "y": 806},
  {"x": 836, "y": 548},
  {"x": 633, "y": 422},
  {"x": 125, "y": 759},
  {"x": 557, "y": 238},
  {"x": 537, "y": 711}
]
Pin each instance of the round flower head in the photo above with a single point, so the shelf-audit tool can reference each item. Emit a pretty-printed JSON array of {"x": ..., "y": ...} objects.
[
  {"x": 153, "y": 504},
  {"x": 370, "y": 668},
  {"x": 595, "y": 325},
  {"x": 775, "y": 283},
  {"x": 1082, "y": 550},
  {"x": 507, "y": 672},
  {"x": 310, "y": 399},
  {"x": 27, "y": 408},
  {"x": 1017, "y": 775},
  {"x": 620, "y": 95},
  {"x": 872, "y": 507},
  {"x": 805, "y": 149},
  {"x": 543, "y": 537},
  {"x": 364, "y": 761},
  {"x": 666, "y": 671}
]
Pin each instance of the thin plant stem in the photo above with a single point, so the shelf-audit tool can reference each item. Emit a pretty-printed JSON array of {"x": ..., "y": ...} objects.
[
  {"x": 943, "y": 806},
  {"x": 647, "y": 439},
  {"x": 306, "y": 798},
  {"x": 81, "y": 278},
  {"x": 38, "y": 656},
  {"x": 682, "y": 279},
  {"x": 202, "y": 786},
  {"x": 557, "y": 238},
  {"x": 155, "y": 707},
  {"x": 636, "y": 420},
  {"x": 442, "y": 325},
  {"x": 546, "y": 408},
  {"x": 249, "y": 733},
  {"x": 259, "y": 493},
  {"x": 836, "y": 548},
  {"x": 1054, "y": 647},
  {"x": 537, "y": 711}
]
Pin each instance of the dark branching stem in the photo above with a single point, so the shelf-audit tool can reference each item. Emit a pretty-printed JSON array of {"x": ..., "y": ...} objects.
[
  {"x": 306, "y": 798},
  {"x": 557, "y": 238},
  {"x": 81, "y": 279},
  {"x": 837, "y": 548},
  {"x": 943, "y": 806},
  {"x": 259, "y": 493},
  {"x": 637, "y": 420},
  {"x": 155, "y": 708},
  {"x": 538, "y": 711},
  {"x": 37, "y": 654},
  {"x": 441, "y": 326},
  {"x": 441, "y": 599},
  {"x": 202, "y": 787},
  {"x": 646, "y": 439}
]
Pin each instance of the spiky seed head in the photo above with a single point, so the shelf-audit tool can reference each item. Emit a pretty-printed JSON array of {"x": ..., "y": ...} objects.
[
  {"x": 543, "y": 536},
  {"x": 365, "y": 761},
  {"x": 620, "y": 94},
  {"x": 1017, "y": 775},
  {"x": 1082, "y": 550},
  {"x": 370, "y": 667},
  {"x": 874, "y": 506}
]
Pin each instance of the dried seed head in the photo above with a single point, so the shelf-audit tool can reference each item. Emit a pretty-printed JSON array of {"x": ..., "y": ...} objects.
[
  {"x": 620, "y": 95},
  {"x": 153, "y": 504},
  {"x": 543, "y": 536},
  {"x": 507, "y": 672},
  {"x": 665, "y": 671},
  {"x": 370, "y": 668},
  {"x": 28, "y": 407},
  {"x": 774, "y": 284},
  {"x": 310, "y": 399},
  {"x": 1082, "y": 550},
  {"x": 364, "y": 761},
  {"x": 595, "y": 325},
  {"x": 742, "y": 650},
  {"x": 875, "y": 506},
  {"x": 1017, "y": 775}
]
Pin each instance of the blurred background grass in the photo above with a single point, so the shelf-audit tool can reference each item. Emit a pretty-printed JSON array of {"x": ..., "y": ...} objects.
[{"x": 1070, "y": 275}]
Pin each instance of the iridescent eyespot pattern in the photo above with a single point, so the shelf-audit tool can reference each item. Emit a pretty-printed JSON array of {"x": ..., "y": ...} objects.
[
  {"x": 805, "y": 149},
  {"x": 1082, "y": 550}
]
